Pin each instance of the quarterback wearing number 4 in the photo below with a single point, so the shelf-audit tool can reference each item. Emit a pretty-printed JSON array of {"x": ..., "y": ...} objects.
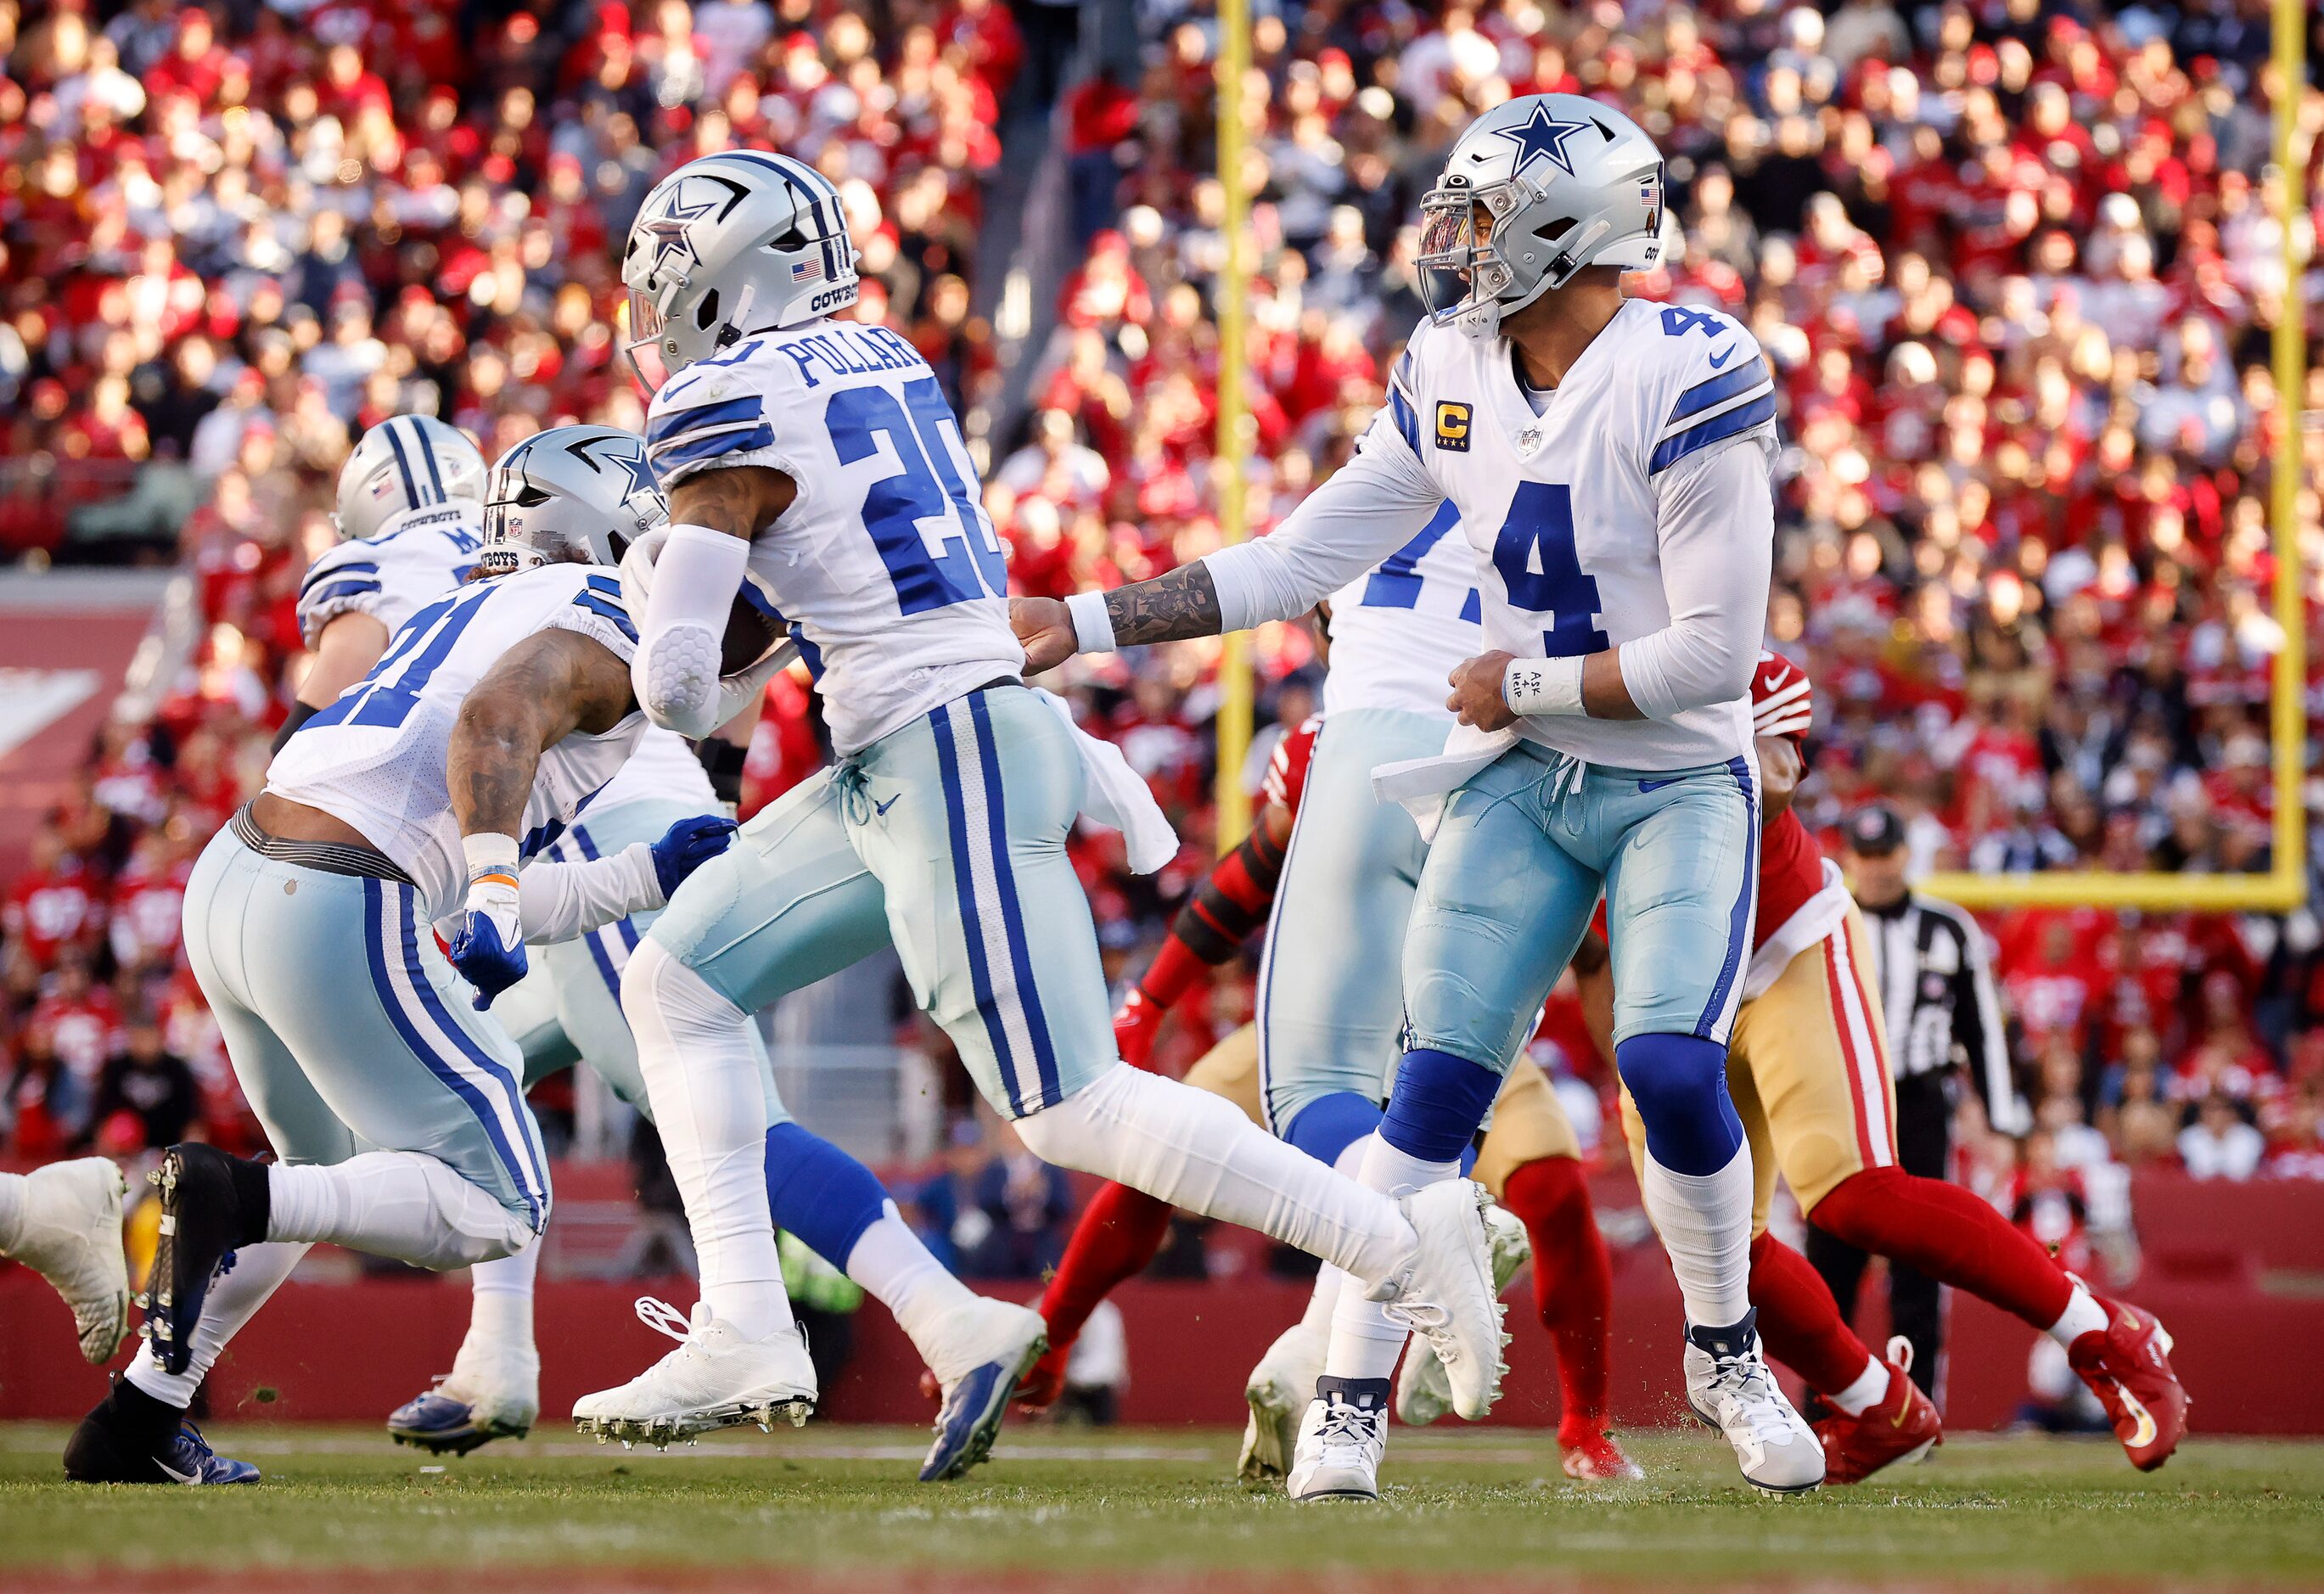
[
  {"x": 820, "y": 457},
  {"x": 1608, "y": 460}
]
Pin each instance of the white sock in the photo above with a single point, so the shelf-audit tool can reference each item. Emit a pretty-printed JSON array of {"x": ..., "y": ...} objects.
[
  {"x": 1364, "y": 1343},
  {"x": 1870, "y": 1388},
  {"x": 902, "y": 1275},
  {"x": 702, "y": 1076},
  {"x": 2082, "y": 1315},
  {"x": 393, "y": 1203},
  {"x": 1197, "y": 1151},
  {"x": 1705, "y": 1223},
  {"x": 1324, "y": 1298},
  {"x": 12, "y": 1212},
  {"x": 502, "y": 1312},
  {"x": 233, "y": 1299}
]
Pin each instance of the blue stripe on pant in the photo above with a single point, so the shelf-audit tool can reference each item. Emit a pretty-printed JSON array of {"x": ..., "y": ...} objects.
[
  {"x": 1738, "y": 927},
  {"x": 956, "y": 819},
  {"x": 496, "y": 1100},
  {"x": 961, "y": 816}
]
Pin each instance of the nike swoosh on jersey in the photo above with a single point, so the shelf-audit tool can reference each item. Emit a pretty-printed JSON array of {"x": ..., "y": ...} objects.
[
  {"x": 1718, "y": 361},
  {"x": 1769, "y": 683},
  {"x": 881, "y": 809}
]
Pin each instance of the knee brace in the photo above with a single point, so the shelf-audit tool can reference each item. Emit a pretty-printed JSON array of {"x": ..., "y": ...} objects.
[
  {"x": 1438, "y": 1103},
  {"x": 820, "y": 1194},
  {"x": 1680, "y": 1084}
]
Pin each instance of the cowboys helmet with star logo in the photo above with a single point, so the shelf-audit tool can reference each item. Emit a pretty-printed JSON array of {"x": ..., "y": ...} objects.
[
  {"x": 1534, "y": 191},
  {"x": 572, "y": 494},
  {"x": 728, "y": 244},
  {"x": 411, "y": 461}
]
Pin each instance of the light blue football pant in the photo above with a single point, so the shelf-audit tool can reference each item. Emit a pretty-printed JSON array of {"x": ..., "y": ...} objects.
[
  {"x": 567, "y": 1008},
  {"x": 1515, "y": 875},
  {"x": 1330, "y": 980},
  {"x": 348, "y": 1029},
  {"x": 962, "y": 815},
  {"x": 947, "y": 839}
]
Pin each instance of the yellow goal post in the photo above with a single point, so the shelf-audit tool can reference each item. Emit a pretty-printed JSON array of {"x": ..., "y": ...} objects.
[{"x": 2283, "y": 887}]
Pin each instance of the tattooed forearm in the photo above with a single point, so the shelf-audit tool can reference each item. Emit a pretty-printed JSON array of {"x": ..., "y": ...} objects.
[
  {"x": 531, "y": 699},
  {"x": 740, "y": 501},
  {"x": 1167, "y": 609}
]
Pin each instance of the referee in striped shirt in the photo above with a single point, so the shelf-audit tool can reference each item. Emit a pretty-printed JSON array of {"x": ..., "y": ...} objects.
[{"x": 1944, "y": 1024}]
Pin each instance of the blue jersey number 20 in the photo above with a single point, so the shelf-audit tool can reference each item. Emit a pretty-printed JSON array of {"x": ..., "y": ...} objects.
[
  {"x": 1535, "y": 554},
  {"x": 928, "y": 487}
]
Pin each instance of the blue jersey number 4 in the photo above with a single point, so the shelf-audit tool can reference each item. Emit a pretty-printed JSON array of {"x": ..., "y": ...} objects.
[
  {"x": 1535, "y": 554},
  {"x": 927, "y": 486}
]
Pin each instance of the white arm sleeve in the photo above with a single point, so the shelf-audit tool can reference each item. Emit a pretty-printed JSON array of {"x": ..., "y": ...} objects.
[
  {"x": 1716, "y": 532},
  {"x": 674, "y": 671},
  {"x": 1370, "y": 507},
  {"x": 557, "y": 901}
]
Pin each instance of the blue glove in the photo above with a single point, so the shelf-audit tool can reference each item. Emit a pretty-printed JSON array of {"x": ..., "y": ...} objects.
[
  {"x": 485, "y": 961},
  {"x": 685, "y": 846}
]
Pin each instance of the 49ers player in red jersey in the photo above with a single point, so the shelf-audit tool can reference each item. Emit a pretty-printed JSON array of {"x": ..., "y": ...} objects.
[{"x": 1810, "y": 1076}]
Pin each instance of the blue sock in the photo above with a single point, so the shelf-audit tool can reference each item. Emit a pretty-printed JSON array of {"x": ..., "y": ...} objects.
[
  {"x": 1329, "y": 1125},
  {"x": 820, "y": 1194},
  {"x": 1438, "y": 1103},
  {"x": 1680, "y": 1084}
]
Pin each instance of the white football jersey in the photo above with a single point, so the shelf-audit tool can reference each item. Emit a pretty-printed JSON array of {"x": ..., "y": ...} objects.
[
  {"x": 418, "y": 558},
  {"x": 1398, "y": 628},
  {"x": 662, "y": 769},
  {"x": 892, "y": 578},
  {"x": 377, "y": 757},
  {"x": 1560, "y": 506}
]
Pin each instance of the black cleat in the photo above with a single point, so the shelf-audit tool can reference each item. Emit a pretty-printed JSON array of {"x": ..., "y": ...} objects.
[
  {"x": 133, "y": 1438},
  {"x": 210, "y": 1203}
]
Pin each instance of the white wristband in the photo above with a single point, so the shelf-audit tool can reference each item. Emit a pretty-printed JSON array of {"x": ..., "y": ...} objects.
[
  {"x": 1544, "y": 686},
  {"x": 1093, "y": 626},
  {"x": 490, "y": 853}
]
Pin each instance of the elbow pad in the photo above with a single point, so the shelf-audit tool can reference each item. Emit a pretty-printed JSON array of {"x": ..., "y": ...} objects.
[{"x": 675, "y": 670}]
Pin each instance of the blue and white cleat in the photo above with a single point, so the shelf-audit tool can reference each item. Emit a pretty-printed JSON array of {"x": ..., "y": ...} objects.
[
  {"x": 188, "y": 1459},
  {"x": 133, "y": 1438},
  {"x": 981, "y": 1349},
  {"x": 492, "y": 1392}
]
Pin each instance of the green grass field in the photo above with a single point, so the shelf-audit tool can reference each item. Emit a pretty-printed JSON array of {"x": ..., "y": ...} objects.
[{"x": 1144, "y": 1509}]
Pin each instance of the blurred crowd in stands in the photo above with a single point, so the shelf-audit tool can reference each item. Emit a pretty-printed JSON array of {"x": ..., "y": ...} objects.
[{"x": 2015, "y": 262}]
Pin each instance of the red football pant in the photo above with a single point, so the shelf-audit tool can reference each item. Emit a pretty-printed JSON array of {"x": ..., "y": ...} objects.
[
  {"x": 1949, "y": 1234},
  {"x": 1572, "y": 1282},
  {"x": 1800, "y": 1324},
  {"x": 1120, "y": 1232}
]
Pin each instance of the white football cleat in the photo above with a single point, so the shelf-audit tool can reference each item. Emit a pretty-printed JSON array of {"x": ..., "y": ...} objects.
[
  {"x": 1423, "y": 1392},
  {"x": 1730, "y": 1388},
  {"x": 978, "y": 1352},
  {"x": 70, "y": 1235},
  {"x": 1445, "y": 1293},
  {"x": 714, "y": 1379},
  {"x": 1280, "y": 1389},
  {"x": 492, "y": 1392},
  {"x": 1341, "y": 1439}
]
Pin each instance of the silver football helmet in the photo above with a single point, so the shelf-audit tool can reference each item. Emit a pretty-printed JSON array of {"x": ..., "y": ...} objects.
[
  {"x": 1534, "y": 190},
  {"x": 411, "y": 461},
  {"x": 572, "y": 494},
  {"x": 731, "y": 244}
]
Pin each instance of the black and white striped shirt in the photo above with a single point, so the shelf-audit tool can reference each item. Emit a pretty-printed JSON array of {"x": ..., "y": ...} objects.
[{"x": 1936, "y": 987}]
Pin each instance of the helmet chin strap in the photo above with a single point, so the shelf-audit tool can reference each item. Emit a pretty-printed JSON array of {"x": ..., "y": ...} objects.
[{"x": 732, "y": 331}]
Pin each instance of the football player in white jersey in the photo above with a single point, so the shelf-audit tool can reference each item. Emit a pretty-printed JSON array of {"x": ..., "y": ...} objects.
[
  {"x": 1608, "y": 459},
  {"x": 412, "y": 516},
  {"x": 820, "y": 455},
  {"x": 413, "y": 801},
  {"x": 547, "y": 495}
]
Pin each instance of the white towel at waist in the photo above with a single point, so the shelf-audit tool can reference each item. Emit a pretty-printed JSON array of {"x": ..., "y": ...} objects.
[
  {"x": 1117, "y": 797},
  {"x": 1422, "y": 785}
]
